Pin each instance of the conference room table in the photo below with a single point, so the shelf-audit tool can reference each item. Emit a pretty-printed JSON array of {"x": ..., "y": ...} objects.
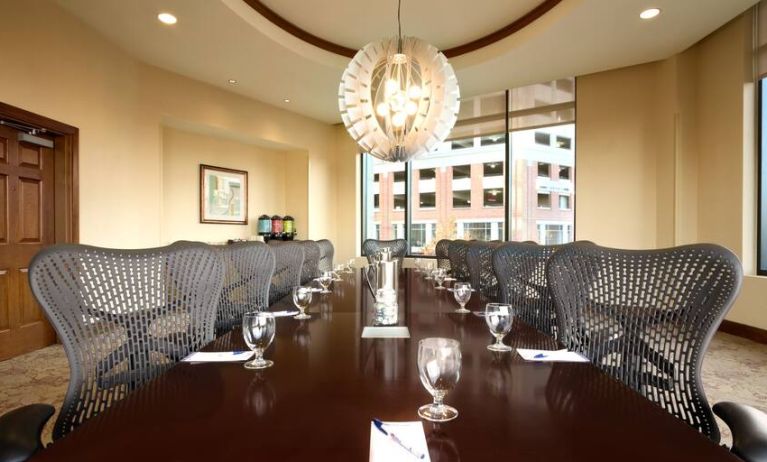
[{"x": 327, "y": 383}]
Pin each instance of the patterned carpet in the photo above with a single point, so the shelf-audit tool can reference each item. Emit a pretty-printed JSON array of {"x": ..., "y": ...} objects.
[{"x": 734, "y": 369}]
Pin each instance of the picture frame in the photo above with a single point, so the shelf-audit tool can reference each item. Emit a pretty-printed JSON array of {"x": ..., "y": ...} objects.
[{"x": 223, "y": 195}]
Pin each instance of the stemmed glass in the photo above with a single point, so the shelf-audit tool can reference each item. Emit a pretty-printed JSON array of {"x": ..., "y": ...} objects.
[
  {"x": 462, "y": 294},
  {"x": 439, "y": 277},
  {"x": 350, "y": 266},
  {"x": 325, "y": 280},
  {"x": 337, "y": 270},
  {"x": 439, "y": 367},
  {"x": 258, "y": 332},
  {"x": 302, "y": 297},
  {"x": 499, "y": 318}
]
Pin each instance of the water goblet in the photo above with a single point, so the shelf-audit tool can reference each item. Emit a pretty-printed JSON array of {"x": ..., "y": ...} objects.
[
  {"x": 302, "y": 297},
  {"x": 439, "y": 367},
  {"x": 439, "y": 277},
  {"x": 337, "y": 270},
  {"x": 462, "y": 294},
  {"x": 325, "y": 280},
  {"x": 258, "y": 331},
  {"x": 350, "y": 266},
  {"x": 499, "y": 318}
]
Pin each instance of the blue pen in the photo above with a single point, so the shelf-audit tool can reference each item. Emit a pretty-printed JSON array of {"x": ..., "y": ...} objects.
[
  {"x": 539, "y": 356},
  {"x": 379, "y": 426}
]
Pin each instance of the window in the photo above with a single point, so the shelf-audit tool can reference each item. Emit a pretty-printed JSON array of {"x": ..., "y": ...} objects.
[
  {"x": 493, "y": 198},
  {"x": 427, "y": 173},
  {"x": 461, "y": 171},
  {"x": 544, "y": 169},
  {"x": 544, "y": 200},
  {"x": 492, "y": 168},
  {"x": 762, "y": 212},
  {"x": 427, "y": 200},
  {"x": 536, "y": 156},
  {"x": 542, "y": 138},
  {"x": 564, "y": 142},
  {"x": 461, "y": 199}
]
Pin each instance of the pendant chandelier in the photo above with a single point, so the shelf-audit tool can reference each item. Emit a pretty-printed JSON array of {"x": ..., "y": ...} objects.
[{"x": 399, "y": 97}]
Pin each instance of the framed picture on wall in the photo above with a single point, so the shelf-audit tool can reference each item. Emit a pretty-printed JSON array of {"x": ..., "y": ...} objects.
[{"x": 223, "y": 195}]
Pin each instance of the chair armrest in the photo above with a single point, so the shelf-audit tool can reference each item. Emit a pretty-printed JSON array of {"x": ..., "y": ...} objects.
[
  {"x": 749, "y": 430},
  {"x": 20, "y": 431}
]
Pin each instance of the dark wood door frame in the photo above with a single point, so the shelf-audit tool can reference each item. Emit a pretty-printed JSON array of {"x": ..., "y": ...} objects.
[{"x": 66, "y": 140}]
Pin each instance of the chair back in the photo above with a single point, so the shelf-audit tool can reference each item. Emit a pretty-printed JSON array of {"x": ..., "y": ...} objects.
[
  {"x": 311, "y": 267},
  {"x": 456, "y": 253},
  {"x": 326, "y": 255},
  {"x": 646, "y": 317},
  {"x": 124, "y": 316},
  {"x": 288, "y": 262},
  {"x": 441, "y": 252},
  {"x": 479, "y": 260},
  {"x": 398, "y": 249},
  {"x": 248, "y": 270}
]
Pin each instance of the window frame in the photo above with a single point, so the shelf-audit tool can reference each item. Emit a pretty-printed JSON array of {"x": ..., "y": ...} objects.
[{"x": 761, "y": 200}]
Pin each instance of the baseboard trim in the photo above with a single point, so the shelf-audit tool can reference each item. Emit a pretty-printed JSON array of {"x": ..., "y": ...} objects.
[{"x": 742, "y": 330}]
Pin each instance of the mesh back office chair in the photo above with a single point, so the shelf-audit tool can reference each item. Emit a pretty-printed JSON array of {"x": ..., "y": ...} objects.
[
  {"x": 326, "y": 255},
  {"x": 479, "y": 260},
  {"x": 456, "y": 253},
  {"x": 248, "y": 270},
  {"x": 646, "y": 317},
  {"x": 311, "y": 266},
  {"x": 397, "y": 246},
  {"x": 124, "y": 316},
  {"x": 288, "y": 262},
  {"x": 441, "y": 252}
]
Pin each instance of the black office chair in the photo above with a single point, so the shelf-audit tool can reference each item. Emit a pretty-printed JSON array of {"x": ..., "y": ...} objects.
[
  {"x": 288, "y": 263},
  {"x": 248, "y": 270},
  {"x": 398, "y": 248},
  {"x": 124, "y": 316},
  {"x": 456, "y": 253},
  {"x": 326, "y": 255},
  {"x": 20, "y": 431},
  {"x": 441, "y": 252},
  {"x": 479, "y": 260},
  {"x": 646, "y": 317},
  {"x": 311, "y": 266}
]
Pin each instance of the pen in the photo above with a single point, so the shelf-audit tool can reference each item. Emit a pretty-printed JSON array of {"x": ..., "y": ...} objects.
[
  {"x": 539, "y": 356},
  {"x": 379, "y": 426}
]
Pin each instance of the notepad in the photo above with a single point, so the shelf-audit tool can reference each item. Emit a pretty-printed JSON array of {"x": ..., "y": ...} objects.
[
  {"x": 279, "y": 314},
  {"x": 386, "y": 332},
  {"x": 384, "y": 449},
  {"x": 551, "y": 356},
  {"x": 218, "y": 356}
]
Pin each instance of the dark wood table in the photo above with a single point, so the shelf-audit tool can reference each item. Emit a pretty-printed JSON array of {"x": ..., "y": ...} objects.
[{"x": 317, "y": 401}]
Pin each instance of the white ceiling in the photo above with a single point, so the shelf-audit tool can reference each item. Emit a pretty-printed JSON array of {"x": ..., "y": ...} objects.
[{"x": 217, "y": 40}]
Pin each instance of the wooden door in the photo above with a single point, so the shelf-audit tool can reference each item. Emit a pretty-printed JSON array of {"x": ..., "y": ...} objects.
[{"x": 26, "y": 226}]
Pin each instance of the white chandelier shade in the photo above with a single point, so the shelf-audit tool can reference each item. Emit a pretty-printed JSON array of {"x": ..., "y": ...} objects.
[{"x": 399, "y": 103}]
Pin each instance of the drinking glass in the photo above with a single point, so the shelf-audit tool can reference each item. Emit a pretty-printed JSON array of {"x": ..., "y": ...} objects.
[
  {"x": 325, "y": 280},
  {"x": 439, "y": 277},
  {"x": 439, "y": 367},
  {"x": 302, "y": 297},
  {"x": 337, "y": 272},
  {"x": 499, "y": 318},
  {"x": 258, "y": 332},
  {"x": 350, "y": 266},
  {"x": 462, "y": 294}
]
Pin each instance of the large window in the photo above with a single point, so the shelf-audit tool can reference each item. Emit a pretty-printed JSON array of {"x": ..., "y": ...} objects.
[
  {"x": 762, "y": 213},
  {"x": 484, "y": 182}
]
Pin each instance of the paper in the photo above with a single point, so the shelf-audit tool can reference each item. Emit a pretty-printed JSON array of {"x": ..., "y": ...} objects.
[
  {"x": 279, "y": 314},
  {"x": 218, "y": 356},
  {"x": 481, "y": 314},
  {"x": 384, "y": 449},
  {"x": 551, "y": 356},
  {"x": 386, "y": 332}
]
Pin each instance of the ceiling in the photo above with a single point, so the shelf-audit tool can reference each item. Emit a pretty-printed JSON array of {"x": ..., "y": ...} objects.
[{"x": 218, "y": 40}]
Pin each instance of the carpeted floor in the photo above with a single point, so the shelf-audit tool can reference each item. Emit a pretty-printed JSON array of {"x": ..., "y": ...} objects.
[{"x": 734, "y": 369}]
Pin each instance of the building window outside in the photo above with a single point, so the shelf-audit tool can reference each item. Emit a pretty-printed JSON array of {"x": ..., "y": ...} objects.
[
  {"x": 482, "y": 231},
  {"x": 762, "y": 212},
  {"x": 399, "y": 177},
  {"x": 544, "y": 200},
  {"x": 543, "y": 138},
  {"x": 553, "y": 234},
  {"x": 564, "y": 173},
  {"x": 427, "y": 200},
  {"x": 427, "y": 173},
  {"x": 461, "y": 171},
  {"x": 461, "y": 199},
  {"x": 377, "y": 231},
  {"x": 564, "y": 202},
  {"x": 462, "y": 144},
  {"x": 564, "y": 142},
  {"x": 490, "y": 140},
  {"x": 492, "y": 169},
  {"x": 398, "y": 230},
  {"x": 544, "y": 170},
  {"x": 376, "y": 201},
  {"x": 376, "y": 177},
  {"x": 399, "y": 201},
  {"x": 493, "y": 198}
]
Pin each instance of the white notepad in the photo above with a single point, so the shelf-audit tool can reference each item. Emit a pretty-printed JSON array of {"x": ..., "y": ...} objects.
[
  {"x": 386, "y": 332},
  {"x": 279, "y": 314},
  {"x": 218, "y": 356},
  {"x": 384, "y": 449},
  {"x": 551, "y": 356}
]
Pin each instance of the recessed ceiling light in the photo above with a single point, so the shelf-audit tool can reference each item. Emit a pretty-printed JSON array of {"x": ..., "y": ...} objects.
[
  {"x": 286, "y": 100},
  {"x": 649, "y": 13},
  {"x": 233, "y": 81},
  {"x": 167, "y": 18}
]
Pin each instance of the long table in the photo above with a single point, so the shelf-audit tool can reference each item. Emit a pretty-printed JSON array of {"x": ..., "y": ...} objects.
[{"x": 327, "y": 383}]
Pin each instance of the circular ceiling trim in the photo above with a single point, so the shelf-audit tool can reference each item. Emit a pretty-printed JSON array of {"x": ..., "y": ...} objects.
[{"x": 544, "y": 7}]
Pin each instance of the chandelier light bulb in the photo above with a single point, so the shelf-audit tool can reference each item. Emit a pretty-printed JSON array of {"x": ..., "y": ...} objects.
[
  {"x": 411, "y": 108},
  {"x": 414, "y": 92},
  {"x": 399, "y": 119},
  {"x": 392, "y": 87},
  {"x": 382, "y": 109}
]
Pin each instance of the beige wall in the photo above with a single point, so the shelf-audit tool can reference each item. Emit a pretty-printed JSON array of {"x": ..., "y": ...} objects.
[
  {"x": 666, "y": 156},
  {"x": 270, "y": 180},
  {"x": 68, "y": 72}
]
